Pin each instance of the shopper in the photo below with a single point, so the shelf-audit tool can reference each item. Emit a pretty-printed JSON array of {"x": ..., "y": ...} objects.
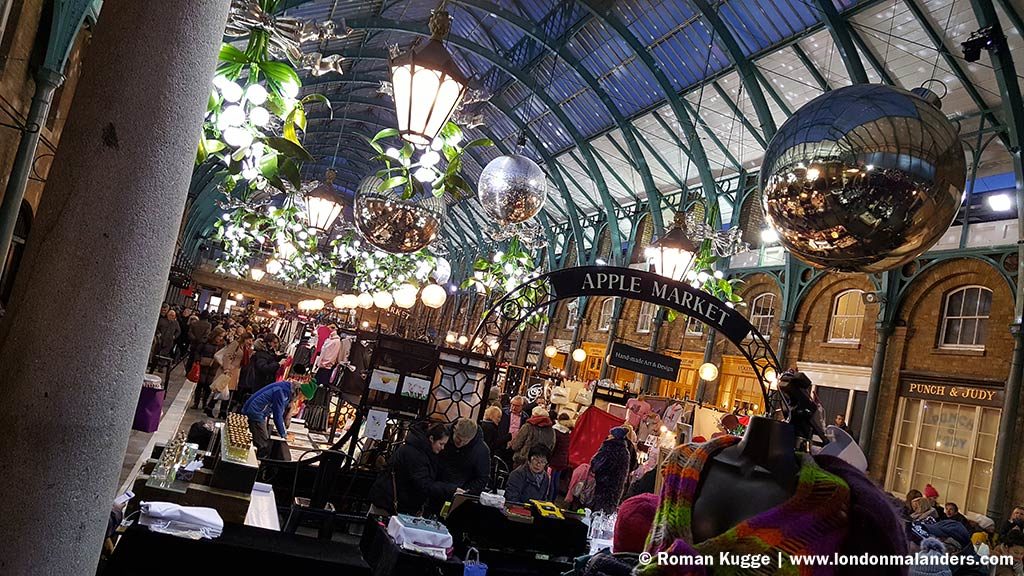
[
  {"x": 633, "y": 523},
  {"x": 923, "y": 510},
  {"x": 840, "y": 422},
  {"x": 263, "y": 365},
  {"x": 184, "y": 320},
  {"x": 466, "y": 460},
  {"x": 980, "y": 541},
  {"x": 198, "y": 334},
  {"x": 1015, "y": 522},
  {"x": 512, "y": 419},
  {"x": 277, "y": 401},
  {"x": 411, "y": 483},
  {"x": 167, "y": 330},
  {"x": 529, "y": 481},
  {"x": 489, "y": 428},
  {"x": 207, "y": 366},
  {"x": 231, "y": 359},
  {"x": 933, "y": 496},
  {"x": 610, "y": 467},
  {"x": 925, "y": 565},
  {"x": 952, "y": 512},
  {"x": 560, "y": 453},
  {"x": 537, "y": 431},
  {"x": 1011, "y": 545},
  {"x": 494, "y": 397},
  {"x": 328, "y": 357},
  {"x": 908, "y": 501}
]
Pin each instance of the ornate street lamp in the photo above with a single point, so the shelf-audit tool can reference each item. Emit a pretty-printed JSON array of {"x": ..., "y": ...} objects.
[
  {"x": 427, "y": 85},
  {"x": 672, "y": 254},
  {"x": 322, "y": 207}
]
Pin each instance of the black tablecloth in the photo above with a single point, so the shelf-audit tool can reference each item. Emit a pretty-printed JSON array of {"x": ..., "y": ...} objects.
[
  {"x": 239, "y": 550},
  {"x": 387, "y": 559}
]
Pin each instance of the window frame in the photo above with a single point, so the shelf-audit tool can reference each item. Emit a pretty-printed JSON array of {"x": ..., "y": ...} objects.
[
  {"x": 944, "y": 317},
  {"x": 572, "y": 319},
  {"x": 691, "y": 320},
  {"x": 604, "y": 323},
  {"x": 651, "y": 310},
  {"x": 833, "y": 316},
  {"x": 756, "y": 318}
]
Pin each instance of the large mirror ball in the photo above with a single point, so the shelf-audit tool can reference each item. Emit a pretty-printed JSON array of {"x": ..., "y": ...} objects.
[{"x": 864, "y": 178}]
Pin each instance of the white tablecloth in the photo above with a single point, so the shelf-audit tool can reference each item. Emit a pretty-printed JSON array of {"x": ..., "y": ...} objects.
[{"x": 262, "y": 508}]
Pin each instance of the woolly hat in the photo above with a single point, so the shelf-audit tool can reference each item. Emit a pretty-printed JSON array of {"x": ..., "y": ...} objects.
[
  {"x": 619, "y": 433},
  {"x": 931, "y": 492},
  {"x": 978, "y": 538},
  {"x": 930, "y": 548},
  {"x": 633, "y": 522},
  {"x": 946, "y": 529}
]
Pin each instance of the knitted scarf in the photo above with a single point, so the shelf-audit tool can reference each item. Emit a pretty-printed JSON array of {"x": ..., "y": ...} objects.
[{"x": 813, "y": 521}]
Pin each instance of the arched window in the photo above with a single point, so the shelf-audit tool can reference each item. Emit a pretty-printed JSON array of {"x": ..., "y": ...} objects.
[
  {"x": 965, "y": 318},
  {"x": 645, "y": 318},
  {"x": 847, "y": 317},
  {"x": 762, "y": 313},
  {"x": 572, "y": 318},
  {"x": 605, "y": 320},
  {"x": 694, "y": 327}
]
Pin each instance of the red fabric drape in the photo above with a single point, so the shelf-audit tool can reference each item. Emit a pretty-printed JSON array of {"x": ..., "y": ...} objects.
[{"x": 590, "y": 431}]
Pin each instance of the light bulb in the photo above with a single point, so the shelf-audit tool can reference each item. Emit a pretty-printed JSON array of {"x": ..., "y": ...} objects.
[
  {"x": 719, "y": 275},
  {"x": 383, "y": 300},
  {"x": 430, "y": 158},
  {"x": 237, "y": 137},
  {"x": 259, "y": 116},
  {"x": 256, "y": 94},
  {"x": 433, "y": 295},
  {"x": 463, "y": 340},
  {"x": 691, "y": 275},
  {"x": 769, "y": 236},
  {"x": 424, "y": 175},
  {"x": 392, "y": 153},
  {"x": 231, "y": 91},
  {"x": 702, "y": 276},
  {"x": 289, "y": 90},
  {"x": 233, "y": 115},
  {"x": 436, "y": 144}
]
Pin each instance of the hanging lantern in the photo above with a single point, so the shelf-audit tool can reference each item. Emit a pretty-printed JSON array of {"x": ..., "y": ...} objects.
[
  {"x": 708, "y": 371},
  {"x": 433, "y": 295},
  {"x": 426, "y": 84},
  {"x": 451, "y": 338},
  {"x": 339, "y": 301},
  {"x": 364, "y": 300},
  {"x": 863, "y": 178},
  {"x": 395, "y": 224},
  {"x": 463, "y": 340},
  {"x": 349, "y": 301},
  {"x": 257, "y": 274},
  {"x": 579, "y": 355},
  {"x": 512, "y": 189},
  {"x": 672, "y": 254},
  {"x": 551, "y": 351},
  {"x": 405, "y": 296},
  {"x": 322, "y": 207},
  {"x": 383, "y": 300},
  {"x": 273, "y": 266}
]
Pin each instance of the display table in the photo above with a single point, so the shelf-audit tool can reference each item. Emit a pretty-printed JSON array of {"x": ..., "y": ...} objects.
[{"x": 239, "y": 550}]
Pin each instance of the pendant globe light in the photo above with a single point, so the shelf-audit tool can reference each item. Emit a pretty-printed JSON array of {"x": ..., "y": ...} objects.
[
  {"x": 427, "y": 85},
  {"x": 433, "y": 295},
  {"x": 672, "y": 253},
  {"x": 257, "y": 274},
  {"x": 322, "y": 207}
]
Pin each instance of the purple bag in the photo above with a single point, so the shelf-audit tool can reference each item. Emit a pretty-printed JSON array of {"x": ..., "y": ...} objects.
[{"x": 147, "y": 413}]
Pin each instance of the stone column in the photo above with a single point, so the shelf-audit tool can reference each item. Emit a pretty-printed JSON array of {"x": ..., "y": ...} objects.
[
  {"x": 782, "y": 348},
  {"x": 85, "y": 306}
]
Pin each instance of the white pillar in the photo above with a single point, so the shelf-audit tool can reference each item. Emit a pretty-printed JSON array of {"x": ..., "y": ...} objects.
[{"x": 84, "y": 306}]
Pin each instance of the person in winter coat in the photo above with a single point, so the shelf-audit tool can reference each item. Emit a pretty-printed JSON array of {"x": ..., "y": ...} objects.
[
  {"x": 303, "y": 354},
  {"x": 234, "y": 356},
  {"x": 1010, "y": 545},
  {"x": 559, "y": 461},
  {"x": 924, "y": 565},
  {"x": 489, "y": 428},
  {"x": 207, "y": 366},
  {"x": 198, "y": 334},
  {"x": 466, "y": 460},
  {"x": 275, "y": 401},
  {"x": 610, "y": 467},
  {"x": 411, "y": 483},
  {"x": 263, "y": 365},
  {"x": 537, "y": 431},
  {"x": 167, "y": 331},
  {"x": 530, "y": 481}
]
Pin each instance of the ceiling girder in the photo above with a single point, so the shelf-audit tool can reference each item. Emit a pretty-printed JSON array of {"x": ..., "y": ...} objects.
[{"x": 839, "y": 28}]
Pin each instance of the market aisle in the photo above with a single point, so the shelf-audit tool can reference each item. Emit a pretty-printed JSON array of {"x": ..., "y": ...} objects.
[{"x": 140, "y": 444}]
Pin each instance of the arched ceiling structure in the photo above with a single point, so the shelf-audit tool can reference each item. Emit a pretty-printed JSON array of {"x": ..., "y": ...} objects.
[{"x": 633, "y": 107}]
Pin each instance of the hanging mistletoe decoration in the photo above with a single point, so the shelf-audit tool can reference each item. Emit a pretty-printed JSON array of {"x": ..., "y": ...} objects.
[{"x": 505, "y": 271}]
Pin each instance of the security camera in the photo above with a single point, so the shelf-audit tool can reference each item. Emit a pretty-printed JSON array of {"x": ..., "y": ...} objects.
[{"x": 987, "y": 38}]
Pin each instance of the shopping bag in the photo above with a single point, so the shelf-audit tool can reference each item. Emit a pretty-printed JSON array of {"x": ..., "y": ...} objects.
[
  {"x": 220, "y": 383},
  {"x": 585, "y": 397},
  {"x": 193, "y": 374},
  {"x": 472, "y": 566}
]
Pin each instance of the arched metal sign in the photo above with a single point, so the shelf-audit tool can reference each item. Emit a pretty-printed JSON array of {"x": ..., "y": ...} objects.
[{"x": 517, "y": 306}]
